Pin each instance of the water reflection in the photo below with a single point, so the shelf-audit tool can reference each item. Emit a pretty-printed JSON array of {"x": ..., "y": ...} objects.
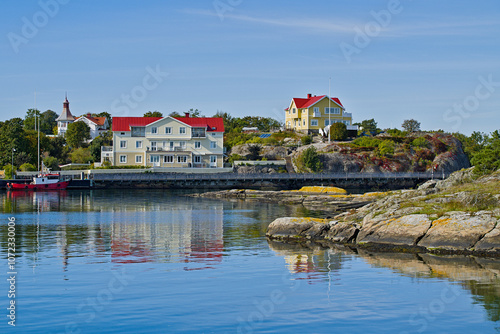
[{"x": 480, "y": 276}]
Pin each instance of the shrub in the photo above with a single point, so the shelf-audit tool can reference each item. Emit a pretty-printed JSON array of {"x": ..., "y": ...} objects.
[
  {"x": 236, "y": 157},
  {"x": 367, "y": 142},
  {"x": 420, "y": 142},
  {"x": 386, "y": 147},
  {"x": 306, "y": 140},
  {"x": 27, "y": 167},
  {"x": 338, "y": 131},
  {"x": 310, "y": 159},
  {"x": 8, "y": 171}
]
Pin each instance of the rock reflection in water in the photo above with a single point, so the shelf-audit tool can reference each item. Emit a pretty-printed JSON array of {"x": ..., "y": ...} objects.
[{"x": 480, "y": 276}]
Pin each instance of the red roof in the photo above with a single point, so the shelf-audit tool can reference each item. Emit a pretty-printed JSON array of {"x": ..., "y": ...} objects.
[
  {"x": 212, "y": 124},
  {"x": 215, "y": 124},
  {"x": 308, "y": 102},
  {"x": 97, "y": 120},
  {"x": 124, "y": 123}
]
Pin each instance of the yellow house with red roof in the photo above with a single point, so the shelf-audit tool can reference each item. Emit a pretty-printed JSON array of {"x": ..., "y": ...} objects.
[{"x": 313, "y": 113}]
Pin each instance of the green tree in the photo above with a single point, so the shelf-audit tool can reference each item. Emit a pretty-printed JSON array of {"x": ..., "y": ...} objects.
[
  {"x": 48, "y": 121},
  {"x": 174, "y": 114},
  {"x": 368, "y": 125},
  {"x": 254, "y": 152},
  {"x": 411, "y": 125},
  {"x": 77, "y": 134},
  {"x": 311, "y": 159},
  {"x": 9, "y": 171},
  {"x": 195, "y": 113},
  {"x": 487, "y": 159},
  {"x": 227, "y": 119},
  {"x": 338, "y": 131},
  {"x": 81, "y": 156},
  {"x": 153, "y": 114},
  {"x": 12, "y": 136},
  {"x": 420, "y": 142},
  {"x": 51, "y": 162},
  {"x": 105, "y": 139},
  {"x": 29, "y": 119}
]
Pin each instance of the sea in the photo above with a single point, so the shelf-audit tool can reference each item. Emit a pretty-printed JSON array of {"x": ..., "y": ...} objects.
[{"x": 157, "y": 261}]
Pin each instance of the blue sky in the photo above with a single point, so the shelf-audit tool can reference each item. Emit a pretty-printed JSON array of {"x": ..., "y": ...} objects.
[{"x": 434, "y": 61}]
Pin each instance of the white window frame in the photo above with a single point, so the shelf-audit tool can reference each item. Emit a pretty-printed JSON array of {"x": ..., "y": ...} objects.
[
  {"x": 197, "y": 159},
  {"x": 168, "y": 159},
  {"x": 197, "y": 144},
  {"x": 316, "y": 109},
  {"x": 327, "y": 122},
  {"x": 123, "y": 159},
  {"x": 182, "y": 130},
  {"x": 123, "y": 144},
  {"x": 138, "y": 144},
  {"x": 168, "y": 130},
  {"x": 138, "y": 159},
  {"x": 182, "y": 144},
  {"x": 154, "y": 130},
  {"x": 314, "y": 122},
  {"x": 332, "y": 110},
  {"x": 182, "y": 159},
  {"x": 294, "y": 110},
  {"x": 154, "y": 146},
  {"x": 213, "y": 144}
]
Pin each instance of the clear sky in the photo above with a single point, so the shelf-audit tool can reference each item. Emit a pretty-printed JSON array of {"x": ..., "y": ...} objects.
[{"x": 434, "y": 61}]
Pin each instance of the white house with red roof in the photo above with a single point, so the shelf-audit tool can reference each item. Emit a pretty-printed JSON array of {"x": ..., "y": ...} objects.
[
  {"x": 180, "y": 142},
  {"x": 97, "y": 125},
  {"x": 313, "y": 113}
]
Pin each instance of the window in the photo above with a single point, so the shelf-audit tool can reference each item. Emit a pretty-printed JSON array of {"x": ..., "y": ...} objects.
[
  {"x": 153, "y": 146},
  {"x": 123, "y": 144},
  {"x": 213, "y": 161},
  {"x": 138, "y": 159},
  {"x": 294, "y": 110},
  {"x": 138, "y": 144},
  {"x": 198, "y": 132},
  {"x": 182, "y": 130},
  {"x": 197, "y": 159},
  {"x": 314, "y": 122},
  {"x": 332, "y": 111},
  {"x": 138, "y": 131},
  {"x": 213, "y": 144},
  {"x": 197, "y": 144},
  {"x": 168, "y": 159},
  {"x": 154, "y": 130},
  {"x": 347, "y": 122},
  {"x": 327, "y": 122},
  {"x": 168, "y": 130},
  {"x": 304, "y": 122},
  {"x": 155, "y": 160},
  {"x": 123, "y": 159},
  {"x": 182, "y": 158},
  {"x": 182, "y": 144},
  {"x": 316, "y": 109}
]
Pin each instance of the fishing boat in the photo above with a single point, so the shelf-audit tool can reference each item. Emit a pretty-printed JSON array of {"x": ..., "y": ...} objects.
[{"x": 42, "y": 181}]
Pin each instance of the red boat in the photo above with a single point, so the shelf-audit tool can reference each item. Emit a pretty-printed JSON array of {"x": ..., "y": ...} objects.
[{"x": 41, "y": 182}]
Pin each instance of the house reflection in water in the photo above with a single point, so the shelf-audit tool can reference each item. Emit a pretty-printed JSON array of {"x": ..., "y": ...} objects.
[{"x": 181, "y": 235}]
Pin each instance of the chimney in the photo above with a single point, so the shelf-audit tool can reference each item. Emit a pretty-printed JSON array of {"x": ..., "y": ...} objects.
[
  {"x": 89, "y": 115},
  {"x": 186, "y": 114},
  {"x": 309, "y": 96}
]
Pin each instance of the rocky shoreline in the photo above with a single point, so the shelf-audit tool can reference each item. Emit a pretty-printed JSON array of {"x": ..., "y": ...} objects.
[
  {"x": 314, "y": 198},
  {"x": 454, "y": 216}
]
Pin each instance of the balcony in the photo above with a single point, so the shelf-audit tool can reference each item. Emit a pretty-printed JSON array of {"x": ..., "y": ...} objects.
[
  {"x": 106, "y": 148},
  {"x": 316, "y": 114},
  {"x": 347, "y": 114},
  {"x": 166, "y": 149}
]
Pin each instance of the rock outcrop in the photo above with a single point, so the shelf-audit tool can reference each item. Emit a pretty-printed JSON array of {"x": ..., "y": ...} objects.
[{"x": 414, "y": 220}]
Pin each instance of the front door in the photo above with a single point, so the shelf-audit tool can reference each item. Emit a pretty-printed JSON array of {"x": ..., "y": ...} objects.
[{"x": 155, "y": 160}]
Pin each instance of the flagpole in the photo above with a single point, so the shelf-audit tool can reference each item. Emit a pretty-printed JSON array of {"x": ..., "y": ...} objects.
[{"x": 329, "y": 109}]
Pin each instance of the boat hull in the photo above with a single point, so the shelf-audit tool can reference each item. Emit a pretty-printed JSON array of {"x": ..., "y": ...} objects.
[{"x": 33, "y": 187}]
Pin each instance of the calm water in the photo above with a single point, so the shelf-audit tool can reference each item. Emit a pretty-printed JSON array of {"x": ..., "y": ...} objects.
[{"x": 155, "y": 262}]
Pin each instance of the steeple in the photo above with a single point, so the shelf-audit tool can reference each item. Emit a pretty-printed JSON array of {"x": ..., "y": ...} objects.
[{"x": 66, "y": 114}]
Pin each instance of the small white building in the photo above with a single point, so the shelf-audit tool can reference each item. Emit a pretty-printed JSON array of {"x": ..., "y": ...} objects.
[
  {"x": 65, "y": 119},
  {"x": 97, "y": 125}
]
